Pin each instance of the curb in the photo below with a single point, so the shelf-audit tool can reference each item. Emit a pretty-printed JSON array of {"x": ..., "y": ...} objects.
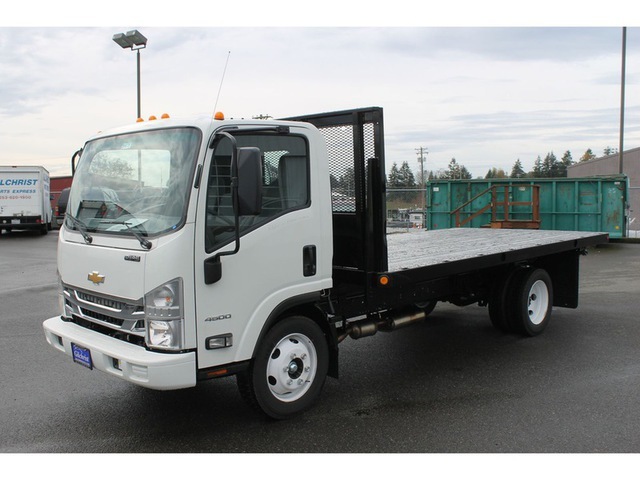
[{"x": 624, "y": 240}]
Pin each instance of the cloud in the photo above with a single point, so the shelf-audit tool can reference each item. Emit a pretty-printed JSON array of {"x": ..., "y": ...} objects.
[{"x": 481, "y": 95}]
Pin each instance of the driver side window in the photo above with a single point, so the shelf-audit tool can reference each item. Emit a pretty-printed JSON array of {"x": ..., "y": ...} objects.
[{"x": 285, "y": 184}]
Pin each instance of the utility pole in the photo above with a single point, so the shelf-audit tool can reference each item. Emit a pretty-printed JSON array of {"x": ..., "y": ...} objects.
[
  {"x": 422, "y": 153},
  {"x": 622, "y": 88}
]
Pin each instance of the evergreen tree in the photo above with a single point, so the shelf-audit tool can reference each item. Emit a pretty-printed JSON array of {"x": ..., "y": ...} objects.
[
  {"x": 517, "y": 171},
  {"x": 347, "y": 182},
  {"x": 550, "y": 166},
  {"x": 565, "y": 163},
  {"x": 393, "y": 179},
  {"x": 456, "y": 171},
  {"x": 334, "y": 182},
  {"x": 496, "y": 173},
  {"x": 405, "y": 176},
  {"x": 537, "y": 171}
]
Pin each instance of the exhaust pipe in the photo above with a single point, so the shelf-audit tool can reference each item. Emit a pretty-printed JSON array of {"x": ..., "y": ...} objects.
[{"x": 384, "y": 322}]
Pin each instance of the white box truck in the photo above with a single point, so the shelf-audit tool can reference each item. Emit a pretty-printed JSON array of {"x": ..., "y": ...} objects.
[
  {"x": 25, "y": 199},
  {"x": 197, "y": 249}
]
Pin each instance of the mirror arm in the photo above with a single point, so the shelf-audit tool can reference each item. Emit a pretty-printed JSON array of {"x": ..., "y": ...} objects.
[{"x": 213, "y": 265}]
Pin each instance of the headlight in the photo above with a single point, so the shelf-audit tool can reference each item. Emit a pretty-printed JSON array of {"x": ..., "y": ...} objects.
[
  {"x": 164, "y": 316},
  {"x": 63, "y": 293},
  {"x": 61, "y": 301}
]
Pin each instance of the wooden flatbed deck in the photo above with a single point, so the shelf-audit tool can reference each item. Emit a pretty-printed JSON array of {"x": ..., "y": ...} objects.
[{"x": 436, "y": 247}]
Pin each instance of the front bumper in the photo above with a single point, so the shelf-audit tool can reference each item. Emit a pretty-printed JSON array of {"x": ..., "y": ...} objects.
[{"x": 158, "y": 371}]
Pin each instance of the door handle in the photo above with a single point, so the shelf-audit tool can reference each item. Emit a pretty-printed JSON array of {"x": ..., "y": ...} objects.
[{"x": 309, "y": 260}]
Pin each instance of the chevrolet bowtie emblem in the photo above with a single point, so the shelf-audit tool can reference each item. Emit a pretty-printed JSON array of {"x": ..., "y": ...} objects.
[{"x": 96, "y": 278}]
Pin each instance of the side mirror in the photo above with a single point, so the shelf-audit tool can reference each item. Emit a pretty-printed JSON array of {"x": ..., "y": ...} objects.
[
  {"x": 75, "y": 157},
  {"x": 248, "y": 186},
  {"x": 249, "y": 181}
]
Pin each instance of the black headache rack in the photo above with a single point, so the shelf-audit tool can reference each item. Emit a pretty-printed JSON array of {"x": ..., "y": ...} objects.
[{"x": 355, "y": 145}]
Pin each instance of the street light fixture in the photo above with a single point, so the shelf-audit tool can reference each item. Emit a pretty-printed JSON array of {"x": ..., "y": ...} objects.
[{"x": 136, "y": 41}]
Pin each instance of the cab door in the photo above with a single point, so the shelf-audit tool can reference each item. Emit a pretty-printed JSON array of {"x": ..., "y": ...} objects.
[{"x": 277, "y": 252}]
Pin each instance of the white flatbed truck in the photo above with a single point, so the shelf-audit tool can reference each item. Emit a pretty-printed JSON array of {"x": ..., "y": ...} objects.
[{"x": 199, "y": 249}]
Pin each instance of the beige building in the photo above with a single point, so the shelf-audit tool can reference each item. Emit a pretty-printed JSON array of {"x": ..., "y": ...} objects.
[{"x": 610, "y": 165}]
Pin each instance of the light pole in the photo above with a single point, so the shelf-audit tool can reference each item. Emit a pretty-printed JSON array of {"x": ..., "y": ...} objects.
[{"x": 134, "y": 40}]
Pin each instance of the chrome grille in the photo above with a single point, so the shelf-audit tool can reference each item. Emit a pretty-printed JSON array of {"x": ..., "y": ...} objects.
[
  {"x": 117, "y": 315},
  {"x": 105, "y": 302}
]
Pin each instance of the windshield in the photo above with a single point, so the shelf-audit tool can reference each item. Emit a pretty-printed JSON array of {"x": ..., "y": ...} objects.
[{"x": 134, "y": 184}]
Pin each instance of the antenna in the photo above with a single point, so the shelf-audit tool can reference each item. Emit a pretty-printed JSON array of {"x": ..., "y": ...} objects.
[{"x": 221, "y": 81}]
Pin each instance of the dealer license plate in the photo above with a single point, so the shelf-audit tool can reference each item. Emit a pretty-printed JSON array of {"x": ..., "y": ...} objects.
[{"x": 82, "y": 356}]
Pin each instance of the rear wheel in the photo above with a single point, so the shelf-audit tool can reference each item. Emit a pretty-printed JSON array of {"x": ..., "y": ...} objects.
[
  {"x": 427, "y": 307},
  {"x": 532, "y": 301},
  {"x": 289, "y": 370},
  {"x": 500, "y": 301}
]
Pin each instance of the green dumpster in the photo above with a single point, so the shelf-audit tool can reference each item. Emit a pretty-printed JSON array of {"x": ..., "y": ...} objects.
[{"x": 590, "y": 204}]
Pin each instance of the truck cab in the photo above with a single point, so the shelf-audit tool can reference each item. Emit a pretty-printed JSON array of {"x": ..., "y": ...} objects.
[{"x": 151, "y": 287}]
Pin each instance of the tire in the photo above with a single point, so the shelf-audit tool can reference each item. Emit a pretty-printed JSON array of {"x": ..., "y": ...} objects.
[
  {"x": 427, "y": 307},
  {"x": 531, "y": 302},
  {"x": 500, "y": 301},
  {"x": 289, "y": 369}
]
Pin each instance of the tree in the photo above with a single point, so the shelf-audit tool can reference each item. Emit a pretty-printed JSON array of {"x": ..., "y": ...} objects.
[
  {"x": 564, "y": 164},
  {"x": 456, "y": 171},
  {"x": 550, "y": 167},
  {"x": 393, "y": 178},
  {"x": 108, "y": 166},
  {"x": 347, "y": 182},
  {"x": 496, "y": 173},
  {"x": 537, "y": 171},
  {"x": 405, "y": 176},
  {"x": 402, "y": 179},
  {"x": 610, "y": 150},
  {"x": 517, "y": 171},
  {"x": 588, "y": 155}
]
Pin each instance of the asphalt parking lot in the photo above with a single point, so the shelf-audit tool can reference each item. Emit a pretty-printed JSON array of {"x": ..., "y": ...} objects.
[{"x": 452, "y": 384}]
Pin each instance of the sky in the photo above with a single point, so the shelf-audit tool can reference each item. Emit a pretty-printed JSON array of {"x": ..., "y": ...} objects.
[{"x": 486, "y": 92}]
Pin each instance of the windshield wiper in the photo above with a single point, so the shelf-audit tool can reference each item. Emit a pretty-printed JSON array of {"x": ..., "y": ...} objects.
[
  {"x": 81, "y": 227},
  {"x": 144, "y": 243}
]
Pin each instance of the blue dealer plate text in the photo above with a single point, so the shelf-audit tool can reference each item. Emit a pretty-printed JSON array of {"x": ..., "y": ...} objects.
[{"x": 82, "y": 356}]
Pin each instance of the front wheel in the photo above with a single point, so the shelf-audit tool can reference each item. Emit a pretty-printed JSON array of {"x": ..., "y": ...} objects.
[{"x": 289, "y": 370}]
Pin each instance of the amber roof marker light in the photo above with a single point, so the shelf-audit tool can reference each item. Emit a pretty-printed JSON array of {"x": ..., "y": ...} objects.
[{"x": 136, "y": 41}]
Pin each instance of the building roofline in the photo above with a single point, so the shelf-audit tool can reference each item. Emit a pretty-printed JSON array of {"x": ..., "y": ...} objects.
[{"x": 605, "y": 158}]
